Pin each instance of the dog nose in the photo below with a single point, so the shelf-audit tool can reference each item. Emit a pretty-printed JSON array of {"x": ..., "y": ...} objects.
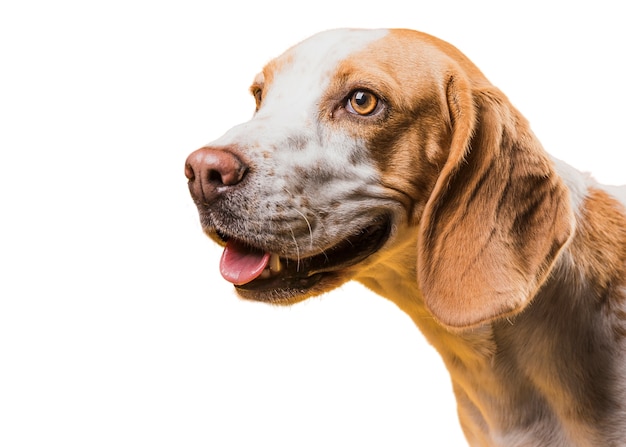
[{"x": 210, "y": 171}]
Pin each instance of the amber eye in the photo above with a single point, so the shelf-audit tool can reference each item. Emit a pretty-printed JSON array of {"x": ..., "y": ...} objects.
[{"x": 362, "y": 103}]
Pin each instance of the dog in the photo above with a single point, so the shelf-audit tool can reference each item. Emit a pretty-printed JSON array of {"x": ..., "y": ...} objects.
[{"x": 387, "y": 157}]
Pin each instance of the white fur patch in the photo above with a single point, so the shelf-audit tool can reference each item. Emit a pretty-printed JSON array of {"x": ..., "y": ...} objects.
[
  {"x": 577, "y": 182},
  {"x": 291, "y": 149},
  {"x": 291, "y": 100}
]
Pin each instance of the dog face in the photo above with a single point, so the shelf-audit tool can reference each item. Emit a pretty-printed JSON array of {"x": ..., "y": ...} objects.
[
  {"x": 312, "y": 192},
  {"x": 358, "y": 140}
]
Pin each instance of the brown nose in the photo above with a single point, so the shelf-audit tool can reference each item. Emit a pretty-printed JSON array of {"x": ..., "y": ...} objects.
[{"x": 211, "y": 171}]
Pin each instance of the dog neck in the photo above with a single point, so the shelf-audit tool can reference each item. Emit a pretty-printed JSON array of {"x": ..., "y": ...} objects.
[{"x": 555, "y": 364}]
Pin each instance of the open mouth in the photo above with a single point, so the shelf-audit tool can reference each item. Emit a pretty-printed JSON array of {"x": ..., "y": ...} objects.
[{"x": 256, "y": 273}]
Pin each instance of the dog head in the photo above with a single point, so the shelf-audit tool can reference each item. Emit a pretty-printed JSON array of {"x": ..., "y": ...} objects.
[{"x": 363, "y": 141}]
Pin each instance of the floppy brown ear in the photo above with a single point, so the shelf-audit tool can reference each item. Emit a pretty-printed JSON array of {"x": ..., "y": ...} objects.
[{"x": 498, "y": 215}]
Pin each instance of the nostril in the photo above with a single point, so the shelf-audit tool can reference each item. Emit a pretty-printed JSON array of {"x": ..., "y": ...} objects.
[{"x": 215, "y": 176}]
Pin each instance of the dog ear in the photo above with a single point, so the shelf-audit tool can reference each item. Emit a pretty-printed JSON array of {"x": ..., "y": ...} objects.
[{"x": 498, "y": 215}]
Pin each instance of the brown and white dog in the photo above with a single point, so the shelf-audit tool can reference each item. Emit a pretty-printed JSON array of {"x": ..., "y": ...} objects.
[{"x": 387, "y": 157}]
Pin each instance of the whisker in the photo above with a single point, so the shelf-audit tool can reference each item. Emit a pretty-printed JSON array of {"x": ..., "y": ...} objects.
[
  {"x": 308, "y": 225},
  {"x": 295, "y": 242}
]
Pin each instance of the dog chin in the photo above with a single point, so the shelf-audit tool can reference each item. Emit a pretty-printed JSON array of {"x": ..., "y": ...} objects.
[{"x": 293, "y": 293}]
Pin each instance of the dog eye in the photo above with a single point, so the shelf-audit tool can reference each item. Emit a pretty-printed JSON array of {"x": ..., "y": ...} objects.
[
  {"x": 362, "y": 103},
  {"x": 258, "y": 95}
]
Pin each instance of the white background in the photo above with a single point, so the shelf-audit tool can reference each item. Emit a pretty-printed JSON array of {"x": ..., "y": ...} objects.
[{"x": 116, "y": 328}]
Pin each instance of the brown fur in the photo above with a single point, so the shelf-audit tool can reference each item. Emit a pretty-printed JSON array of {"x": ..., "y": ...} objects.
[
  {"x": 480, "y": 181},
  {"x": 513, "y": 266}
]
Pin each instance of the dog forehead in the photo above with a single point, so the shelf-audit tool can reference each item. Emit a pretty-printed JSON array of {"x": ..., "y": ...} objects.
[
  {"x": 309, "y": 65},
  {"x": 329, "y": 47}
]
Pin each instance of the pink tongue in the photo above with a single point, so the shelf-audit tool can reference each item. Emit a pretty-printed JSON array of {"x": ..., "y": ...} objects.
[{"x": 240, "y": 264}]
